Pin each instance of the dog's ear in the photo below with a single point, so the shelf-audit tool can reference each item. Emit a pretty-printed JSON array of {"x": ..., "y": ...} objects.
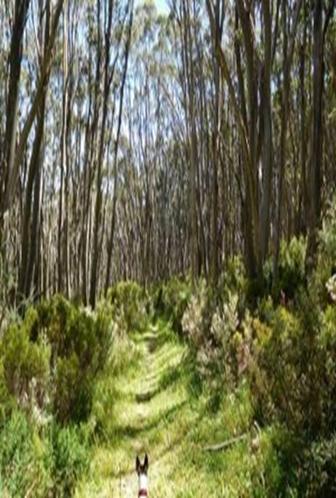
[
  {"x": 145, "y": 465},
  {"x": 137, "y": 465}
]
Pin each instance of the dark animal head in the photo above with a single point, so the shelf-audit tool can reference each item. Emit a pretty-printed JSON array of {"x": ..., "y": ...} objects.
[{"x": 141, "y": 468}]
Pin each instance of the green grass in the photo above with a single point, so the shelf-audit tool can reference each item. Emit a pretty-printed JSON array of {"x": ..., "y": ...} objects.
[{"x": 154, "y": 407}]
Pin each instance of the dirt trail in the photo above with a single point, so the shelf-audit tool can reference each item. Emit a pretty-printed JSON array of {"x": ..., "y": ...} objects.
[{"x": 147, "y": 402}]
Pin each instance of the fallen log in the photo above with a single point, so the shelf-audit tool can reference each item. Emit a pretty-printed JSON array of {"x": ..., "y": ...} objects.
[{"x": 225, "y": 444}]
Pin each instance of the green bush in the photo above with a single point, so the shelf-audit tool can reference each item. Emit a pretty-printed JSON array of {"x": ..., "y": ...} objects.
[
  {"x": 327, "y": 238},
  {"x": 51, "y": 359},
  {"x": 326, "y": 345},
  {"x": 80, "y": 343},
  {"x": 128, "y": 306},
  {"x": 171, "y": 300},
  {"x": 50, "y": 365},
  {"x": 25, "y": 364},
  {"x": 294, "y": 376},
  {"x": 291, "y": 270},
  {"x": 39, "y": 467},
  {"x": 70, "y": 458},
  {"x": 233, "y": 281},
  {"x": 23, "y": 458},
  {"x": 326, "y": 260},
  {"x": 210, "y": 325},
  {"x": 317, "y": 473}
]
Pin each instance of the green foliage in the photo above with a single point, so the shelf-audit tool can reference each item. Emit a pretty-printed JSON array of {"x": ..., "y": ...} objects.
[
  {"x": 24, "y": 360},
  {"x": 80, "y": 343},
  {"x": 23, "y": 459},
  {"x": 209, "y": 326},
  {"x": 280, "y": 353},
  {"x": 128, "y": 306},
  {"x": 50, "y": 360},
  {"x": 317, "y": 476},
  {"x": 50, "y": 364},
  {"x": 291, "y": 269},
  {"x": 58, "y": 367},
  {"x": 326, "y": 261},
  {"x": 293, "y": 377},
  {"x": 327, "y": 249},
  {"x": 30, "y": 465},
  {"x": 171, "y": 300},
  {"x": 234, "y": 281},
  {"x": 70, "y": 458}
]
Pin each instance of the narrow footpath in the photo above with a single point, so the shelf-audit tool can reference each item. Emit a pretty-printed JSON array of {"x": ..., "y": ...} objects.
[{"x": 154, "y": 412}]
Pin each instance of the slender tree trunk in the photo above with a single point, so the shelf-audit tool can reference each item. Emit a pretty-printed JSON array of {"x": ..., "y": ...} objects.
[
  {"x": 115, "y": 155},
  {"x": 317, "y": 134},
  {"x": 284, "y": 118},
  {"x": 267, "y": 152},
  {"x": 14, "y": 62}
]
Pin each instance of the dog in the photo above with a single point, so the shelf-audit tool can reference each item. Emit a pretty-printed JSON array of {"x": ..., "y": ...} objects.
[{"x": 141, "y": 470}]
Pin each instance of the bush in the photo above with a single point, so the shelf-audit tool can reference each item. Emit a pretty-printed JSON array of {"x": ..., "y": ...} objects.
[
  {"x": 210, "y": 327},
  {"x": 326, "y": 345},
  {"x": 171, "y": 300},
  {"x": 234, "y": 281},
  {"x": 25, "y": 369},
  {"x": 23, "y": 458},
  {"x": 51, "y": 359},
  {"x": 327, "y": 238},
  {"x": 128, "y": 306},
  {"x": 31, "y": 466},
  {"x": 282, "y": 380},
  {"x": 70, "y": 458},
  {"x": 317, "y": 474},
  {"x": 326, "y": 260},
  {"x": 294, "y": 376},
  {"x": 291, "y": 270},
  {"x": 80, "y": 343}
]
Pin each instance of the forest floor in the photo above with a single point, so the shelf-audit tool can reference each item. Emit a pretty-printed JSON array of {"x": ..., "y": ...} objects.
[{"x": 157, "y": 410}]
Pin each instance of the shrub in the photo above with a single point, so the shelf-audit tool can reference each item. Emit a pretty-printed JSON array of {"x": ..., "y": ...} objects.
[
  {"x": 51, "y": 359},
  {"x": 210, "y": 327},
  {"x": 317, "y": 473},
  {"x": 326, "y": 344},
  {"x": 70, "y": 458},
  {"x": 281, "y": 381},
  {"x": 31, "y": 466},
  {"x": 171, "y": 300},
  {"x": 291, "y": 269},
  {"x": 249, "y": 340},
  {"x": 294, "y": 375},
  {"x": 22, "y": 459},
  {"x": 234, "y": 281},
  {"x": 327, "y": 237},
  {"x": 25, "y": 364},
  {"x": 128, "y": 306},
  {"x": 326, "y": 260}
]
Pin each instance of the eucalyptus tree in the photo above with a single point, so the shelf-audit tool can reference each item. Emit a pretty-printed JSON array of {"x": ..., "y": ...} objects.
[
  {"x": 137, "y": 145},
  {"x": 323, "y": 12},
  {"x": 17, "y": 132}
]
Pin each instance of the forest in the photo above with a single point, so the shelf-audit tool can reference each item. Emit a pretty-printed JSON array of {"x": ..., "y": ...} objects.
[{"x": 168, "y": 247}]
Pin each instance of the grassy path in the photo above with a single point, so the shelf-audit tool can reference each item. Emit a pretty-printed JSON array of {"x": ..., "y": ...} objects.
[{"x": 154, "y": 412}]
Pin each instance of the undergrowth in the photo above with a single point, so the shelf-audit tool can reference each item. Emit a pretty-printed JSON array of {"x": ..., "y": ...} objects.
[{"x": 172, "y": 370}]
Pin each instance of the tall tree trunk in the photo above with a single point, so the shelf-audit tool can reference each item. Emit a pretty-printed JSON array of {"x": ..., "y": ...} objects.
[
  {"x": 219, "y": 15},
  {"x": 317, "y": 133},
  {"x": 115, "y": 154},
  {"x": 42, "y": 83},
  {"x": 97, "y": 237},
  {"x": 284, "y": 118},
  {"x": 267, "y": 150},
  {"x": 14, "y": 62},
  {"x": 29, "y": 239}
]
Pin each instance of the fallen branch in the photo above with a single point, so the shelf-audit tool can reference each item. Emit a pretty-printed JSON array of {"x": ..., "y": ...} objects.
[
  {"x": 225, "y": 444},
  {"x": 31, "y": 489}
]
